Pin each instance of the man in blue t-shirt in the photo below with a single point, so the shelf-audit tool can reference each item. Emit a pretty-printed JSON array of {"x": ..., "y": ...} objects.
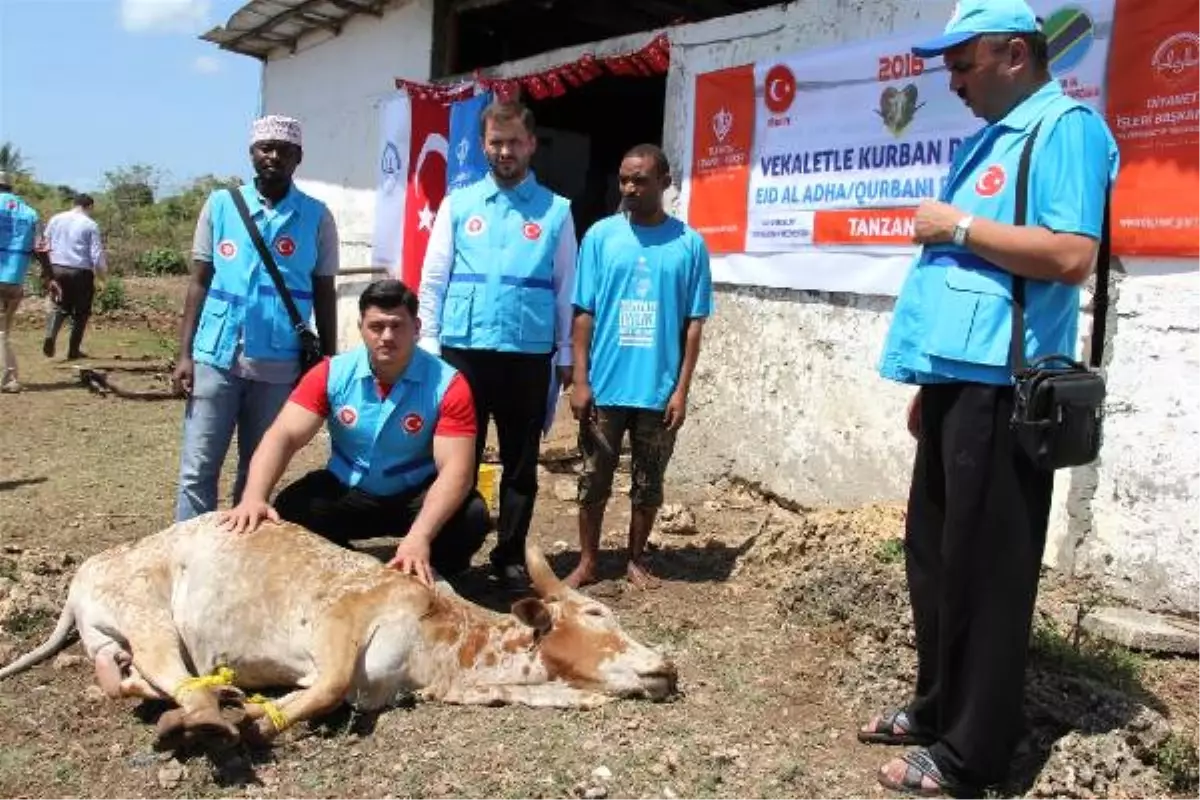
[{"x": 642, "y": 292}]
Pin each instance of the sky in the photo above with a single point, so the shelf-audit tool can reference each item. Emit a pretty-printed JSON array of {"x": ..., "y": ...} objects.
[{"x": 88, "y": 86}]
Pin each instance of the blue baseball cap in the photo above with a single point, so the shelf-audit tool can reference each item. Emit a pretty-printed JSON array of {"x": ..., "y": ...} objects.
[{"x": 976, "y": 17}]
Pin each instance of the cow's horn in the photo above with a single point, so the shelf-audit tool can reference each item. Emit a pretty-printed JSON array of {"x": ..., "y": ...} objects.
[{"x": 544, "y": 581}]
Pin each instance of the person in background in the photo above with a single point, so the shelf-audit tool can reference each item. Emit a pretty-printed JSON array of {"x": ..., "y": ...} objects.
[
  {"x": 20, "y": 241},
  {"x": 642, "y": 293},
  {"x": 495, "y": 302},
  {"x": 238, "y": 348},
  {"x": 76, "y": 257}
]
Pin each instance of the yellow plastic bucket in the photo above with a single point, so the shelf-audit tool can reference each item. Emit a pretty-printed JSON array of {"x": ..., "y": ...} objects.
[{"x": 489, "y": 485}]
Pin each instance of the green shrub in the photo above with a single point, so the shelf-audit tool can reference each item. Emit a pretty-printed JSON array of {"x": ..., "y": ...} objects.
[
  {"x": 112, "y": 296},
  {"x": 161, "y": 261}
]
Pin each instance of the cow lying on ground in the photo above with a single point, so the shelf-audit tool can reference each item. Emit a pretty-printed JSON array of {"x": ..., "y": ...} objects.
[{"x": 284, "y": 608}]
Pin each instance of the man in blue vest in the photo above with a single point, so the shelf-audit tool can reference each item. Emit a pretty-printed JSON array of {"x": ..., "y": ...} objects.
[
  {"x": 238, "y": 349},
  {"x": 496, "y": 304},
  {"x": 978, "y": 508},
  {"x": 19, "y": 240},
  {"x": 402, "y": 439}
]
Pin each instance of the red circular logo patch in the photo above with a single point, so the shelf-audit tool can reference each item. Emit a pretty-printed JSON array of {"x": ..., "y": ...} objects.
[
  {"x": 991, "y": 181},
  {"x": 779, "y": 89},
  {"x": 347, "y": 416},
  {"x": 227, "y": 249},
  {"x": 412, "y": 423},
  {"x": 12, "y": 204},
  {"x": 475, "y": 226},
  {"x": 532, "y": 230},
  {"x": 285, "y": 246}
]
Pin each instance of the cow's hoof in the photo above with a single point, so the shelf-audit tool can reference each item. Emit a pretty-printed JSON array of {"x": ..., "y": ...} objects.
[{"x": 170, "y": 732}]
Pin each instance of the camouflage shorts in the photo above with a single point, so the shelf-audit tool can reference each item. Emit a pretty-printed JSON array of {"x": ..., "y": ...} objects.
[{"x": 650, "y": 444}]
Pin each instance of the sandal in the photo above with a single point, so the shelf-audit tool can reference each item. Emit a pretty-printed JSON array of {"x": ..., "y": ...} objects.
[
  {"x": 919, "y": 765},
  {"x": 894, "y": 728}
]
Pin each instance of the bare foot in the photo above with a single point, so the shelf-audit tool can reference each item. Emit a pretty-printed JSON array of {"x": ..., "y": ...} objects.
[
  {"x": 581, "y": 576},
  {"x": 639, "y": 575}
]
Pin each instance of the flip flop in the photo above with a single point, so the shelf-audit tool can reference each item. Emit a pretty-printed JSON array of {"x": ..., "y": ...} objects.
[
  {"x": 919, "y": 764},
  {"x": 894, "y": 728}
]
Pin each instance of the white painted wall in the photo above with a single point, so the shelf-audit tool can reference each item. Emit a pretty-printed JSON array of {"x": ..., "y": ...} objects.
[
  {"x": 333, "y": 85},
  {"x": 786, "y": 393}
]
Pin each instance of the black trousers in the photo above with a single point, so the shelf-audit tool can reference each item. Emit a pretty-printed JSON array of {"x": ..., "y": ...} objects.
[
  {"x": 512, "y": 388},
  {"x": 976, "y": 530},
  {"x": 78, "y": 293},
  {"x": 326, "y": 506}
]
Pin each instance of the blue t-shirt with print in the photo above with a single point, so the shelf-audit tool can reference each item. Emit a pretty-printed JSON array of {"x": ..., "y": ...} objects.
[{"x": 641, "y": 285}]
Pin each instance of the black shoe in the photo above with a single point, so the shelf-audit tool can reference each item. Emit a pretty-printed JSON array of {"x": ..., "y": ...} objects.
[
  {"x": 48, "y": 347},
  {"x": 77, "y": 355},
  {"x": 513, "y": 577}
]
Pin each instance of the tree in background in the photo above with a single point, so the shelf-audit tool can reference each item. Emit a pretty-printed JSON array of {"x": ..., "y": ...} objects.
[{"x": 12, "y": 161}]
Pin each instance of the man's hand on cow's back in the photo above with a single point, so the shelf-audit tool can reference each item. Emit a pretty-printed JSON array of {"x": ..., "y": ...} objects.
[
  {"x": 412, "y": 558},
  {"x": 247, "y": 515}
]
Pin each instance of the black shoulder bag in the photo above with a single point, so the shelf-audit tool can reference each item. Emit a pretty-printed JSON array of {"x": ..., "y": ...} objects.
[
  {"x": 1058, "y": 408},
  {"x": 310, "y": 344}
]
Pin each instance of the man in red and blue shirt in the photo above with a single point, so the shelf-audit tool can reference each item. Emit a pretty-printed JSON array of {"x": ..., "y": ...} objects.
[{"x": 402, "y": 430}]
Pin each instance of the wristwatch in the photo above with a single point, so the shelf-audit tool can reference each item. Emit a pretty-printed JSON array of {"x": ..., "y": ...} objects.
[{"x": 960, "y": 230}]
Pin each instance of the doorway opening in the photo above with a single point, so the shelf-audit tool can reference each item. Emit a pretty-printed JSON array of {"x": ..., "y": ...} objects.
[{"x": 583, "y": 134}]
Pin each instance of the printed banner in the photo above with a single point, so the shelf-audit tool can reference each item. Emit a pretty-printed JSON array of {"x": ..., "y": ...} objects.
[
  {"x": 468, "y": 163},
  {"x": 847, "y": 141},
  {"x": 1154, "y": 111},
  {"x": 720, "y": 174},
  {"x": 391, "y": 183}
]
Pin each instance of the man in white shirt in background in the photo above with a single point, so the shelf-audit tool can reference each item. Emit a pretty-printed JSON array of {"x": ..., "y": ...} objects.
[{"x": 76, "y": 255}]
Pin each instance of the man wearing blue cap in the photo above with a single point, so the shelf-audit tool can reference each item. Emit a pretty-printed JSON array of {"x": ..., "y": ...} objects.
[{"x": 978, "y": 508}]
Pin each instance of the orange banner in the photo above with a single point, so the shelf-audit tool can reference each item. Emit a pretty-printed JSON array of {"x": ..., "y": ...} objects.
[
  {"x": 720, "y": 182},
  {"x": 1154, "y": 112},
  {"x": 864, "y": 226}
]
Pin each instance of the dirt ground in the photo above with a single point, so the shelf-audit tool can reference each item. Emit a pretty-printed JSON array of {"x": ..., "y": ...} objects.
[{"x": 789, "y": 629}]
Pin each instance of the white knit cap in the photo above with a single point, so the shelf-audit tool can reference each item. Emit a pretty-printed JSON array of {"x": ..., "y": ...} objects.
[{"x": 274, "y": 128}]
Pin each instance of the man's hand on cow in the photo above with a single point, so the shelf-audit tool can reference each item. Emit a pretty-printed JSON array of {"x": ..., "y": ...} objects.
[
  {"x": 934, "y": 222},
  {"x": 412, "y": 558},
  {"x": 183, "y": 376},
  {"x": 247, "y": 515}
]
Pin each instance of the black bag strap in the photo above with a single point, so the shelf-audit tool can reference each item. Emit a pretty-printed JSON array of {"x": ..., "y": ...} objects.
[
  {"x": 1016, "y": 353},
  {"x": 268, "y": 260}
]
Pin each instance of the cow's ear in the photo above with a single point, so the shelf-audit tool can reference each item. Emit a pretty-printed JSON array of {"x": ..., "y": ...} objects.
[{"x": 533, "y": 612}]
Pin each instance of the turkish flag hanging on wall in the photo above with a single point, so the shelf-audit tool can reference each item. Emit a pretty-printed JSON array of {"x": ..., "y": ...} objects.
[{"x": 426, "y": 182}]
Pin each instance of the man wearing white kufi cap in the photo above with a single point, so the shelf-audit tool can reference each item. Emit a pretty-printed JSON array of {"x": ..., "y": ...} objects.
[{"x": 240, "y": 353}]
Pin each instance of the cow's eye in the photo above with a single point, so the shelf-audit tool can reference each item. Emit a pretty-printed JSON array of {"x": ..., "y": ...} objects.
[{"x": 594, "y": 611}]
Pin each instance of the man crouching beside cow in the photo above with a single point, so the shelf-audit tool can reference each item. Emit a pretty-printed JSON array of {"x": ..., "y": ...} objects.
[
  {"x": 272, "y": 597},
  {"x": 402, "y": 447}
]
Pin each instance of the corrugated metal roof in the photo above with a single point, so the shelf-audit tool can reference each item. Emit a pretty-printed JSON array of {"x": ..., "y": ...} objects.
[{"x": 261, "y": 26}]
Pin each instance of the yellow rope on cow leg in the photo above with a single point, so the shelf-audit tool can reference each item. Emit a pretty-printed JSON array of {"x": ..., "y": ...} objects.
[
  {"x": 273, "y": 712},
  {"x": 222, "y": 676}
]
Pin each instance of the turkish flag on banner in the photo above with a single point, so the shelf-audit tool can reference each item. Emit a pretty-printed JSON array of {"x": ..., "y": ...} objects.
[{"x": 426, "y": 182}]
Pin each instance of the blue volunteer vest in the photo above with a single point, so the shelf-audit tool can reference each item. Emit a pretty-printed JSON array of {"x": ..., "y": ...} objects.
[
  {"x": 500, "y": 294},
  {"x": 18, "y": 227},
  {"x": 953, "y": 316},
  {"x": 242, "y": 303},
  {"x": 384, "y": 447}
]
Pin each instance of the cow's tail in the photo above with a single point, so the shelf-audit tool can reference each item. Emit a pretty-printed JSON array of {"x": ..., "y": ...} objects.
[{"x": 63, "y": 635}]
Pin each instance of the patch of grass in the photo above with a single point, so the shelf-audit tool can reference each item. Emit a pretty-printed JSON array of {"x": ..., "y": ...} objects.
[
  {"x": 890, "y": 551},
  {"x": 66, "y": 772},
  {"x": 27, "y": 623},
  {"x": 8, "y": 569},
  {"x": 1179, "y": 763},
  {"x": 1090, "y": 657}
]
